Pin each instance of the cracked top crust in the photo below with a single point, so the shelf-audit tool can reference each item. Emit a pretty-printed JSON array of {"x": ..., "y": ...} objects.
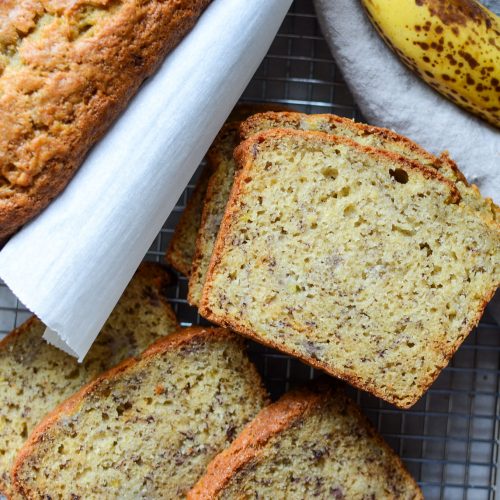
[{"x": 67, "y": 68}]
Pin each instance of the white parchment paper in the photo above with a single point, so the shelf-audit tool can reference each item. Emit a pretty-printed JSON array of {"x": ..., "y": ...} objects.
[{"x": 71, "y": 264}]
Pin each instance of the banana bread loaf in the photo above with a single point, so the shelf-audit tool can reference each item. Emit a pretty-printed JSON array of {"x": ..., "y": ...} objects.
[{"x": 67, "y": 69}]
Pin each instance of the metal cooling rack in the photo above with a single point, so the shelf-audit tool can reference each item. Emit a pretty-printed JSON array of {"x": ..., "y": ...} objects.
[{"x": 449, "y": 440}]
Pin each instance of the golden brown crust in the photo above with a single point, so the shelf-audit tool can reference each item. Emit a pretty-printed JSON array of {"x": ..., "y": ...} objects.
[
  {"x": 77, "y": 86},
  {"x": 175, "y": 340},
  {"x": 268, "y": 423},
  {"x": 294, "y": 119},
  {"x": 357, "y": 382},
  {"x": 482, "y": 207},
  {"x": 247, "y": 127},
  {"x": 244, "y": 155},
  {"x": 14, "y": 334},
  {"x": 446, "y": 159}
]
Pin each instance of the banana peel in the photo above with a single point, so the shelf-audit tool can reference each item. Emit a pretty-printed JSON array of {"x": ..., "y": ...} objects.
[{"x": 454, "y": 45}]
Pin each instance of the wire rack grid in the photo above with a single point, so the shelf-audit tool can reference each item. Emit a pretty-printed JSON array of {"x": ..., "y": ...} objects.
[{"x": 449, "y": 439}]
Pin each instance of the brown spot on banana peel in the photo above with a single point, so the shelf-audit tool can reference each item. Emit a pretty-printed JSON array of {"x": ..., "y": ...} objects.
[
  {"x": 472, "y": 62},
  {"x": 458, "y": 12}
]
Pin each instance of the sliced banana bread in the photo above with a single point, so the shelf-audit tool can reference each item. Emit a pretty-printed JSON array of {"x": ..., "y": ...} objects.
[
  {"x": 221, "y": 156},
  {"x": 147, "y": 428},
  {"x": 180, "y": 251},
  {"x": 310, "y": 444},
  {"x": 35, "y": 376},
  {"x": 354, "y": 259},
  {"x": 379, "y": 138}
]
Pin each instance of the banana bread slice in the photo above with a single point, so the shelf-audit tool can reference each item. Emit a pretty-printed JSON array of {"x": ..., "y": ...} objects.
[
  {"x": 35, "y": 376},
  {"x": 310, "y": 444},
  {"x": 147, "y": 428},
  {"x": 67, "y": 70},
  {"x": 377, "y": 137},
  {"x": 221, "y": 155},
  {"x": 353, "y": 259},
  {"x": 181, "y": 251},
  {"x": 219, "y": 186}
]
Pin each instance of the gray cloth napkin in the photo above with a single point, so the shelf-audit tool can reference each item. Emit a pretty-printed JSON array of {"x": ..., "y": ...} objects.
[{"x": 390, "y": 95}]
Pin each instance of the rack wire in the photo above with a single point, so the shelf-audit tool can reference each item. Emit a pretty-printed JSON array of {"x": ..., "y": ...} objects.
[{"x": 449, "y": 439}]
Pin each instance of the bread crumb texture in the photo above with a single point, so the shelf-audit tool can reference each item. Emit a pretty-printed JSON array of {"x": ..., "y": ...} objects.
[
  {"x": 67, "y": 68},
  {"x": 355, "y": 260},
  {"x": 376, "y": 137},
  {"x": 35, "y": 376},
  {"x": 148, "y": 428},
  {"x": 308, "y": 446},
  {"x": 221, "y": 156}
]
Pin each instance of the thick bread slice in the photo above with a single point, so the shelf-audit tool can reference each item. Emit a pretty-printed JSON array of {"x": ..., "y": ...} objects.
[
  {"x": 147, "y": 428},
  {"x": 377, "y": 137},
  {"x": 353, "y": 259},
  {"x": 35, "y": 377},
  {"x": 366, "y": 135},
  {"x": 180, "y": 252},
  {"x": 222, "y": 157},
  {"x": 67, "y": 70},
  {"x": 308, "y": 445},
  {"x": 181, "y": 249}
]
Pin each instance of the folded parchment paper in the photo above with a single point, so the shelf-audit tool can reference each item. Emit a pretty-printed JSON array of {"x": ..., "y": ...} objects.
[{"x": 71, "y": 264}]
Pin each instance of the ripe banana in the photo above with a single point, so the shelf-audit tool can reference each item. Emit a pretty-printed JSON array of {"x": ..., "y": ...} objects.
[{"x": 454, "y": 45}]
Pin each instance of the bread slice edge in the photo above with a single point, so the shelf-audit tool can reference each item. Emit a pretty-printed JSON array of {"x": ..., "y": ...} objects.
[
  {"x": 270, "y": 422},
  {"x": 175, "y": 340},
  {"x": 244, "y": 156}
]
